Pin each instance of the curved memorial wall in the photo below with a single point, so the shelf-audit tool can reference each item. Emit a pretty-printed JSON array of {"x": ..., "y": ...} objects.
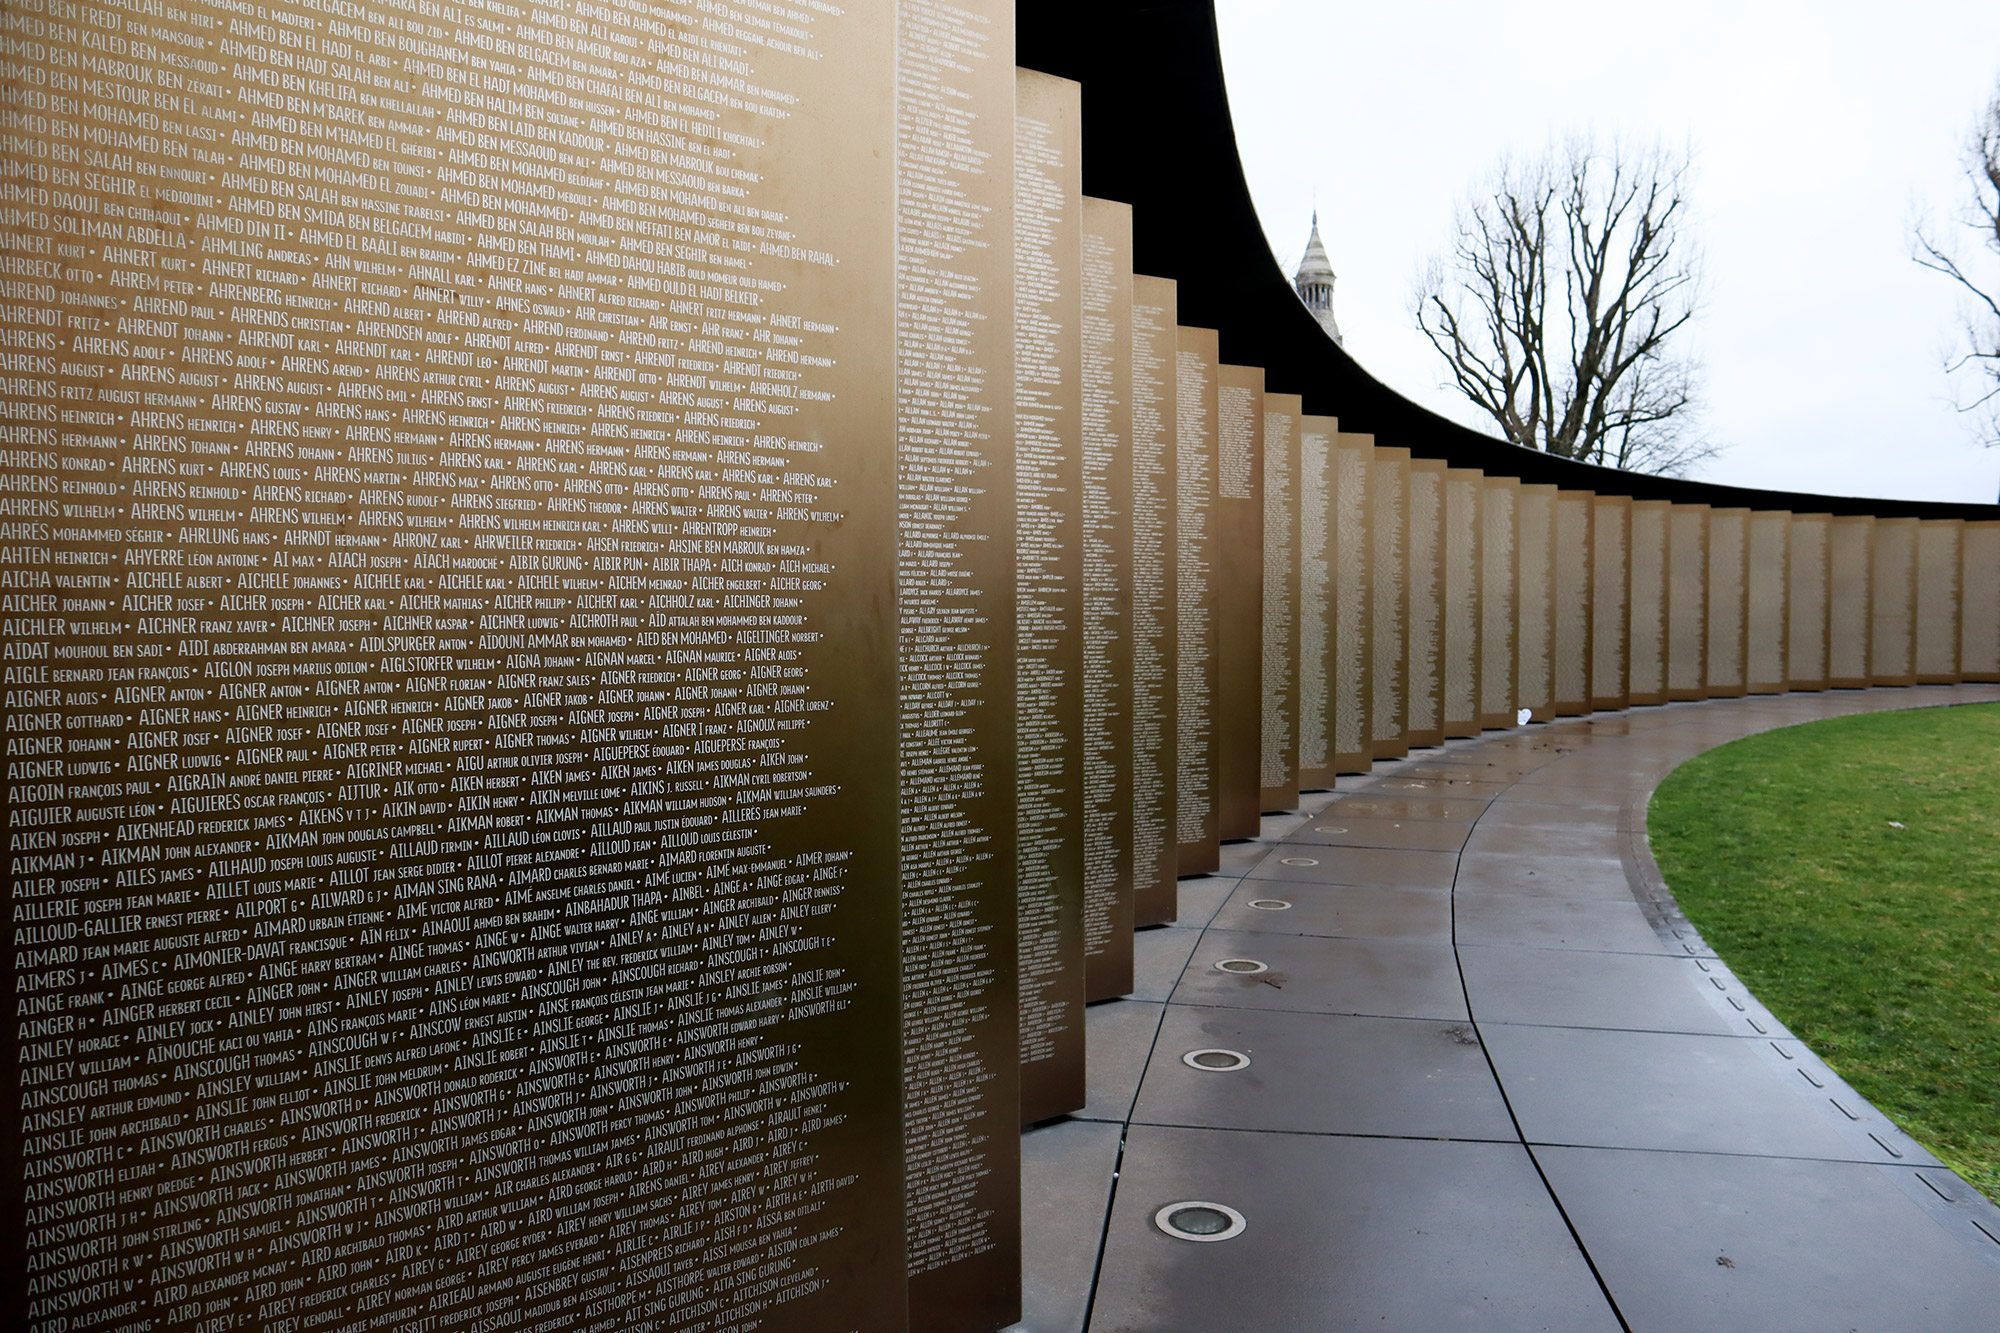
[{"x": 610, "y": 611}]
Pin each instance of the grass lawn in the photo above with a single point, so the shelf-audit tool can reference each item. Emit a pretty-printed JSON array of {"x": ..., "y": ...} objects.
[{"x": 1849, "y": 871}]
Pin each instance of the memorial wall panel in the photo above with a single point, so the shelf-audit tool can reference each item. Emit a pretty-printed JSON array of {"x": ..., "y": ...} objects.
[
  {"x": 1534, "y": 536},
  {"x": 1766, "y": 612},
  {"x": 1610, "y": 601},
  {"x": 1728, "y": 602},
  {"x": 1893, "y": 603},
  {"x": 1278, "y": 772},
  {"x": 1197, "y": 534},
  {"x": 1426, "y": 602},
  {"x": 955, "y": 84},
  {"x": 1687, "y": 602},
  {"x": 1048, "y": 589},
  {"x": 1979, "y": 602},
  {"x": 1155, "y": 589},
  {"x": 1389, "y": 603},
  {"x": 1108, "y": 599},
  {"x": 1499, "y": 602},
  {"x": 1352, "y": 680},
  {"x": 1572, "y": 589},
  {"x": 1318, "y": 561},
  {"x": 1850, "y": 615},
  {"x": 457, "y": 483},
  {"x": 1648, "y": 638},
  {"x": 1808, "y": 597},
  {"x": 1940, "y": 545},
  {"x": 1238, "y": 563},
  {"x": 1463, "y": 488}
]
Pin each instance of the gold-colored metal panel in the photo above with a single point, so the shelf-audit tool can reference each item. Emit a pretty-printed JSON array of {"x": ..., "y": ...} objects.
[
  {"x": 1979, "y": 602},
  {"x": 1389, "y": 605},
  {"x": 957, "y": 516},
  {"x": 1766, "y": 609},
  {"x": 1048, "y": 589},
  {"x": 1534, "y": 526},
  {"x": 1893, "y": 603},
  {"x": 1426, "y": 602},
  {"x": 1353, "y": 677},
  {"x": 1239, "y": 602},
  {"x": 1108, "y": 599},
  {"x": 1278, "y": 775},
  {"x": 1649, "y": 601},
  {"x": 1940, "y": 544},
  {"x": 1610, "y": 601},
  {"x": 1687, "y": 602},
  {"x": 1463, "y": 492},
  {"x": 1728, "y": 602},
  {"x": 1808, "y": 601},
  {"x": 1499, "y": 601},
  {"x": 1850, "y": 616},
  {"x": 1319, "y": 559},
  {"x": 1198, "y": 535},
  {"x": 1155, "y": 613},
  {"x": 391, "y": 727},
  {"x": 1535, "y": 533},
  {"x": 1570, "y": 576}
]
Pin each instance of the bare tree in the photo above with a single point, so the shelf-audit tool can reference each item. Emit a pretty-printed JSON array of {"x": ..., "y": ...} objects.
[
  {"x": 1976, "y": 358},
  {"x": 1560, "y": 306}
]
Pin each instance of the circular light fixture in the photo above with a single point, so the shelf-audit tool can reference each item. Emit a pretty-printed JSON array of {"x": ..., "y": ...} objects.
[
  {"x": 1270, "y": 904},
  {"x": 1242, "y": 967},
  {"x": 1297, "y": 861},
  {"x": 1198, "y": 1219},
  {"x": 1215, "y": 1060}
]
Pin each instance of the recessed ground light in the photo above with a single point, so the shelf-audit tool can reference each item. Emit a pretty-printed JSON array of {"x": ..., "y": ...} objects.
[
  {"x": 1297, "y": 861},
  {"x": 1329, "y": 828},
  {"x": 1197, "y": 1219},
  {"x": 1242, "y": 967},
  {"x": 1270, "y": 904},
  {"x": 1215, "y": 1060}
]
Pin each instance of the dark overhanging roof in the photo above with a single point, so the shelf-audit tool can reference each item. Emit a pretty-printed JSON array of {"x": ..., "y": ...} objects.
[{"x": 1157, "y": 134}]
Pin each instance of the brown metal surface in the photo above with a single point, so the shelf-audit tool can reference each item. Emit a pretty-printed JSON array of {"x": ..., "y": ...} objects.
[
  {"x": 1426, "y": 602},
  {"x": 1808, "y": 598},
  {"x": 1319, "y": 562},
  {"x": 1940, "y": 546},
  {"x": 1238, "y": 564},
  {"x": 457, "y": 772},
  {"x": 1893, "y": 603},
  {"x": 1108, "y": 602},
  {"x": 1389, "y": 602},
  {"x": 1353, "y": 679},
  {"x": 1850, "y": 616},
  {"x": 1048, "y": 589},
  {"x": 1610, "y": 601},
  {"x": 1196, "y": 448},
  {"x": 1155, "y": 617},
  {"x": 1687, "y": 602},
  {"x": 1278, "y": 761},
  {"x": 1499, "y": 601},
  {"x": 1534, "y": 575},
  {"x": 1648, "y": 638},
  {"x": 1979, "y": 603},
  {"x": 1728, "y": 602},
  {"x": 1463, "y": 491},
  {"x": 1766, "y": 610},
  {"x": 1571, "y": 594},
  {"x": 955, "y": 444}
]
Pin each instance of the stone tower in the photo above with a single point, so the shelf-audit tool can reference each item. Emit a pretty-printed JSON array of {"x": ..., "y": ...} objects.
[{"x": 1315, "y": 284}]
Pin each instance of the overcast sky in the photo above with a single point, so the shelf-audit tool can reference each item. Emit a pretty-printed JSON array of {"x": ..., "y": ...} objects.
[{"x": 1819, "y": 131}]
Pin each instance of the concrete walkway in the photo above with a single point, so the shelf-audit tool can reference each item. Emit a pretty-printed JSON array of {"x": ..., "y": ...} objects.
[{"x": 1495, "y": 1081}]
